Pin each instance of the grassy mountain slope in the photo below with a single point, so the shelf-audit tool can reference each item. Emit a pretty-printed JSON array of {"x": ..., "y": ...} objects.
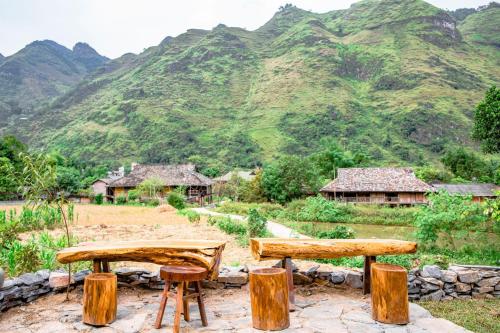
[
  {"x": 396, "y": 79},
  {"x": 40, "y": 71}
]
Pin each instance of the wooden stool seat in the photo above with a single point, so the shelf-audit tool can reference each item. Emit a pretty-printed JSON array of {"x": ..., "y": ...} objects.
[
  {"x": 389, "y": 294},
  {"x": 99, "y": 299},
  {"x": 183, "y": 276},
  {"x": 183, "y": 273}
]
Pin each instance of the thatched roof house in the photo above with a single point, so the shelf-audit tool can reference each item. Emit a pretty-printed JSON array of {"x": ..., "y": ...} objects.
[
  {"x": 479, "y": 192},
  {"x": 377, "y": 185},
  {"x": 171, "y": 176}
]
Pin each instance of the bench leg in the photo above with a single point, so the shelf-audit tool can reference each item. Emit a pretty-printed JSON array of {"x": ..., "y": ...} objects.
[
  {"x": 97, "y": 266},
  {"x": 287, "y": 265},
  {"x": 366, "y": 273},
  {"x": 105, "y": 266}
]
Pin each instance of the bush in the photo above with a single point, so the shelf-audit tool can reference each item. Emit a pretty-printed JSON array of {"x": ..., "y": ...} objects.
[
  {"x": 231, "y": 227},
  {"x": 193, "y": 216},
  {"x": 133, "y": 195},
  {"x": 98, "y": 199},
  {"x": 176, "y": 200},
  {"x": 256, "y": 224},
  {"x": 339, "y": 232},
  {"x": 318, "y": 209},
  {"x": 152, "y": 202},
  {"x": 121, "y": 200}
]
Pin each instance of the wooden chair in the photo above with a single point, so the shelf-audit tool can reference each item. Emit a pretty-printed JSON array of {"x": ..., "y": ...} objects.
[{"x": 183, "y": 276}]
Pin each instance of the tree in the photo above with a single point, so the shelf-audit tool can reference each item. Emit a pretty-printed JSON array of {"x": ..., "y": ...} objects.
[
  {"x": 467, "y": 165},
  {"x": 151, "y": 187},
  {"x": 288, "y": 178},
  {"x": 487, "y": 121},
  {"x": 252, "y": 191},
  {"x": 8, "y": 183}
]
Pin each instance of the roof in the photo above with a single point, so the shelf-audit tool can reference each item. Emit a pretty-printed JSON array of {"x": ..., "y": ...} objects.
[
  {"x": 170, "y": 175},
  {"x": 376, "y": 180},
  {"x": 104, "y": 180},
  {"x": 477, "y": 190},
  {"x": 245, "y": 175}
]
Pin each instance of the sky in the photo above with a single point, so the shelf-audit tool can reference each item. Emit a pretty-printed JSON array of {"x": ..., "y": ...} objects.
[{"x": 115, "y": 27}]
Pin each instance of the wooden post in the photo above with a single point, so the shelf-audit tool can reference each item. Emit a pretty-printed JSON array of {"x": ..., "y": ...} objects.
[
  {"x": 287, "y": 265},
  {"x": 269, "y": 299},
  {"x": 97, "y": 266},
  {"x": 99, "y": 299},
  {"x": 105, "y": 266},
  {"x": 366, "y": 273},
  {"x": 389, "y": 294}
]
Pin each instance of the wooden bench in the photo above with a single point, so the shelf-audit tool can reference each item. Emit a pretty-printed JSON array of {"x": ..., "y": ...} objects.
[
  {"x": 285, "y": 249},
  {"x": 169, "y": 252}
]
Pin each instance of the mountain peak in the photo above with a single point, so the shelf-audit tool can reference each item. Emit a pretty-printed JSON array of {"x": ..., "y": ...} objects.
[
  {"x": 89, "y": 57},
  {"x": 1, "y": 57}
]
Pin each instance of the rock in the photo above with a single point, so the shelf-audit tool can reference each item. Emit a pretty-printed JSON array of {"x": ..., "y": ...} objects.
[
  {"x": 126, "y": 271},
  {"x": 435, "y": 296},
  {"x": 312, "y": 271},
  {"x": 212, "y": 284},
  {"x": 59, "y": 281},
  {"x": 79, "y": 277},
  {"x": 462, "y": 287},
  {"x": 476, "y": 295},
  {"x": 490, "y": 282},
  {"x": 488, "y": 274},
  {"x": 31, "y": 279},
  {"x": 354, "y": 279},
  {"x": 430, "y": 286},
  {"x": 439, "y": 325},
  {"x": 324, "y": 275},
  {"x": 12, "y": 293},
  {"x": 337, "y": 277},
  {"x": 294, "y": 267},
  {"x": 483, "y": 290},
  {"x": 432, "y": 271},
  {"x": 414, "y": 297},
  {"x": 2, "y": 277},
  {"x": 301, "y": 279},
  {"x": 497, "y": 287},
  {"x": 468, "y": 276},
  {"x": 132, "y": 324},
  {"x": 449, "y": 276},
  {"x": 464, "y": 296},
  {"x": 10, "y": 283},
  {"x": 433, "y": 281},
  {"x": 233, "y": 277}
]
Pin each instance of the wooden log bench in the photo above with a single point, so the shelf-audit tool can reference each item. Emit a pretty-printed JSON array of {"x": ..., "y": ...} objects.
[
  {"x": 285, "y": 249},
  {"x": 169, "y": 252}
]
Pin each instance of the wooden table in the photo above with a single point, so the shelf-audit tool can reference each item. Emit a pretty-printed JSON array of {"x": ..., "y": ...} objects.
[
  {"x": 285, "y": 249},
  {"x": 175, "y": 252}
]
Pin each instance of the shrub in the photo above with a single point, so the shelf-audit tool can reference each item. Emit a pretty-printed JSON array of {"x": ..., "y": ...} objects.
[
  {"x": 231, "y": 227},
  {"x": 152, "y": 202},
  {"x": 211, "y": 220},
  {"x": 176, "y": 200},
  {"x": 322, "y": 210},
  {"x": 256, "y": 224},
  {"x": 98, "y": 199},
  {"x": 121, "y": 200},
  {"x": 133, "y": 195},
  {"x": 339, "y": 232},
  {"x": 193, "y": 216}
]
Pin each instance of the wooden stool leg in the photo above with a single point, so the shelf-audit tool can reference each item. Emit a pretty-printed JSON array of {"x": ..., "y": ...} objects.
[
  {"x": 186, "y": 302},
  {"x": 163, "y": 304},
  {"x": 178, "y": 307},
  {"x": 287, "y": 265},
  {"x": 369, "y": 260},
  {"x": 201, "y": 305}
]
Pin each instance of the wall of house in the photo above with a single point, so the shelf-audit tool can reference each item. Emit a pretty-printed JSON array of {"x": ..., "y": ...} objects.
[{"x": 99, "y": 187}]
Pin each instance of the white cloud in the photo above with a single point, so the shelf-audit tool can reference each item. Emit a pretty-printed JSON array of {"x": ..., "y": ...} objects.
[{"x": 114, "y": 27}]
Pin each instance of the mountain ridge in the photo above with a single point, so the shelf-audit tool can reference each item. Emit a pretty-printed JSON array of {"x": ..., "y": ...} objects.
[{"x": 395, "y": 79}]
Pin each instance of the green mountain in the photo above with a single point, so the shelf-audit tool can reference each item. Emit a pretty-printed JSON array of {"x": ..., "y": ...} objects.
[
  {"x": 41, "y": 71},
  {"x": 396, "y": 79}
]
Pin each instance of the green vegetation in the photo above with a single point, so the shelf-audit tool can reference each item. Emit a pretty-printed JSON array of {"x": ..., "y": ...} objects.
[
  {"x": 176, "y": 200},
  {"x": 98, "y": 199},
  {"x": 478, "y": 315},
  {"x": 256, "y": 224},
  {"x": 151, "y": 187},
  {"x": 487, "y": 121},
  {"x": 394, "y": 82}
]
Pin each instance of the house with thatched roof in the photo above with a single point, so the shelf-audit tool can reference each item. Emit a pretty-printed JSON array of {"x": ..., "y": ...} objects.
[
  {"x": 171, "y": 176},
  {"x": 479, "y": 192},
  {"x": 392, "y": 186}
]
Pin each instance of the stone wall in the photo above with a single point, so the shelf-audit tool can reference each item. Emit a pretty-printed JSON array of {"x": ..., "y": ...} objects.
[{"x": 429, "y": 283}]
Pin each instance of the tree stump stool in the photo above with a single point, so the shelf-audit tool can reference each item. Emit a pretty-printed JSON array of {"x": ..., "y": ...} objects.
[
  {"x": 99, "y": 299},
  {"x": 269, "y": 298},
  {"x": 389, "y": 294},
  {"x": 183, "y": 275}
]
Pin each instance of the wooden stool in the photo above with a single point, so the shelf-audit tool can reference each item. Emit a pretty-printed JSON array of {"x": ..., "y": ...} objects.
[
  {"x": 99, "y": 298},
  {"x": 389, "y": 291},
  {"x": 269, "y": 298},
  {"x": 183, "y": 275}
]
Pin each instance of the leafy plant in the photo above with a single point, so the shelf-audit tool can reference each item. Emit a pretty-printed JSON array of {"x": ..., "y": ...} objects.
[
  {"x": 151, "y": 187},
  {"x": 98, "y": 199},
  {"x": 256, "y": 224},
  {"x": 193, "y": 217},
  {"x": 176, "y": 200},
  {"x": 487, "y": 121},
  {"x": 133, "y": 195},
  {"x": 339, "y": 232}
]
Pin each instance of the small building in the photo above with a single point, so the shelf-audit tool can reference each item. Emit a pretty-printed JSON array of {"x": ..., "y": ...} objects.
[
  {"x": 479, "y": 192},
  {"x": 391, "y": 186},
  {"x": 197, "y": 185},
  {"x": 100, "y": 186},
  {"x": 243, "y": 174}
]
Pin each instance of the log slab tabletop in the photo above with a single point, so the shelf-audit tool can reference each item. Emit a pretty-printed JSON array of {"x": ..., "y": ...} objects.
[
  {"x": 286, "y": 248},
  {"x": 173, "y": 252}
]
